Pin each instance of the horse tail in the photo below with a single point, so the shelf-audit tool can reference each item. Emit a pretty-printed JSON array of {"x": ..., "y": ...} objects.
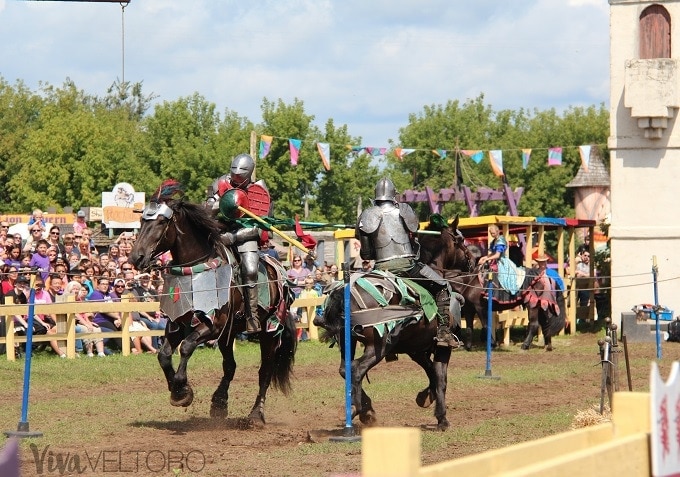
[
  {"x": 333, "y": 320},
  {"x": 557, "y": 321},
  {"x": 284, "y": 358}
]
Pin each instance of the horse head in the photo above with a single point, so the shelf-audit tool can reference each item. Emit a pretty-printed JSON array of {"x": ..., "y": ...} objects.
[
  {"x": 169, "y": 224},
  {"x": 446, "y": 251}
]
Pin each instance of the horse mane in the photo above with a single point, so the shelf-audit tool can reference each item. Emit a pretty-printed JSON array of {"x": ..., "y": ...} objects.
[{"x": 199, "y": 217}]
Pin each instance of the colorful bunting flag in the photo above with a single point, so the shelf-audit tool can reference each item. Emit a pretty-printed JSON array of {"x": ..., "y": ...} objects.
[
  {"x": 496, "y": 159},
  {"x": 356, "y": 149},
  {"x": 400, "y": 152},
  {"x": 265, "y": 145},
  {"x": 439, "y": 153},
  {"x": 325, "y": 152},
  {"x": 555, "y": 156},
  {"x": 475, "y": 155},
  {"x": 526, "y": 155},
  {"x": 585, "y": 156},
  {"x": 294, "y": 146}
]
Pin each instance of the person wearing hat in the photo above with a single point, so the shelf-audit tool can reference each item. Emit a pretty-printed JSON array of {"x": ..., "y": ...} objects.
[
  {"x": 542, "y": 261},
  {"x": 79, "y": 225}
]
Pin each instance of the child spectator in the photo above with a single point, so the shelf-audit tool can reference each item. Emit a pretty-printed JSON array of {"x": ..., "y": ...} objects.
[{"x": 40, "y": 260}]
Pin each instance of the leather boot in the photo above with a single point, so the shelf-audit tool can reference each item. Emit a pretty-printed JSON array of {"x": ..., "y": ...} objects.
[
  {"x": 444, "y": 335},
  {"x": 252, "y": 317}
]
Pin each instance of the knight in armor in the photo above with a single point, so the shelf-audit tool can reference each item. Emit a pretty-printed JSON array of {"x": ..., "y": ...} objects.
[
  {"x": 386, "y": 232},
  {"x": 226, "y": 195}
]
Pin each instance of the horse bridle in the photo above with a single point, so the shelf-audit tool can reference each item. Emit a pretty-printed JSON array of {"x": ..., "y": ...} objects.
[
  {"x": 160, "y": 209},
  {"x": 459, "y": 240}
]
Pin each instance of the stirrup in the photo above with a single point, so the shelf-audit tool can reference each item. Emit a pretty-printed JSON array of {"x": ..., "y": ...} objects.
[{"x": 446, "y": 338}]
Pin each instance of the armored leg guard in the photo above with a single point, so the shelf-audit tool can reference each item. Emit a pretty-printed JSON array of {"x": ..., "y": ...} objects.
[
  {"x": 252, "y": 317},
  {"x": 444, "y": 335}
]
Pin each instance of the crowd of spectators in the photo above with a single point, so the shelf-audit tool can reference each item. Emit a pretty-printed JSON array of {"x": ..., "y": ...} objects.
[{"x": 70, "y": 267}]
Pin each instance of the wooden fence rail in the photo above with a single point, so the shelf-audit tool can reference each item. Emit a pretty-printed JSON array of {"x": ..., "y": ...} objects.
[
  {"x": 66, "y": 322},
  {"x": 620, "y": 447}
]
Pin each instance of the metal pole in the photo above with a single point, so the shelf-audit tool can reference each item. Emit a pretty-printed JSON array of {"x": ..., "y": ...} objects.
[
  {"x": 23, "y": 429},
  {"x": 655, "y": 271},
  {"x": 348, "y": 431},
  {"x": 489, "y": 326}
]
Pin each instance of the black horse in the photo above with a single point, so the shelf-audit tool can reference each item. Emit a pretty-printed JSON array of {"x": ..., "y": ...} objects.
[
  {"x": 388, "y": 317},
  {"x": 192, "y": 236},
  {"x": 448, "y": 254}
]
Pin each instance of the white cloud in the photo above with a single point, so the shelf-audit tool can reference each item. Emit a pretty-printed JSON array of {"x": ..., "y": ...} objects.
[{"x": 367, "y": 64}]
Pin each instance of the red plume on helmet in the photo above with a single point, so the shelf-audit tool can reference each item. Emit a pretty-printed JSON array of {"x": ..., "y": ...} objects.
[{"x": 169, "y": 189}]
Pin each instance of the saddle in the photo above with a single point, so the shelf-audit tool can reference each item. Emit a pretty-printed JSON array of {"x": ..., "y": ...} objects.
[{"x": 376, "y": 290}]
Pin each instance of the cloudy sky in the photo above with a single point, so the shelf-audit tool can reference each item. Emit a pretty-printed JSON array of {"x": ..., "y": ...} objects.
[{"x": 364, "y": 63}]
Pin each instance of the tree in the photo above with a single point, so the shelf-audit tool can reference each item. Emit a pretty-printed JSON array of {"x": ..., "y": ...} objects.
[
  {"x": 77, "y": 150},
  {"x": 187, "y": 142}
]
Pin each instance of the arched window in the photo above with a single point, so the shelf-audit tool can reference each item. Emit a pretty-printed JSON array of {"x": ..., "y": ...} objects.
[{"x": 655, "y": 33}]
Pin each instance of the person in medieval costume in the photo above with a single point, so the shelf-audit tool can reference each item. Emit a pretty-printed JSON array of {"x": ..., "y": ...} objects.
[
  {"x": 229, "y": 195},
  {"x": 386, "y": 232}
]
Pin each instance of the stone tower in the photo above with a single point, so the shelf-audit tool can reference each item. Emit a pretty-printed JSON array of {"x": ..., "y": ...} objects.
[{"x": 645, "y": 152}]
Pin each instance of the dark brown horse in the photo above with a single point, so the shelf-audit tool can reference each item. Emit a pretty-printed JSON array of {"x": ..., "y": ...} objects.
[
  {"x": 205, "y": 303},
  {"x": 448, "y": 254}
]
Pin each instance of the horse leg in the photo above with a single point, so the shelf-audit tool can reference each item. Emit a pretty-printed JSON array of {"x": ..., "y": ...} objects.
[
  {"x": 268, "y": 344},
  {"x": 219, "y": 403},
  {"x": 173, "y": 337},
  {"x": 361, "y": 402},
  {"x": 532, "y": 329},
  {"x": 436, "y": 391},
  {"x": 181, "y": 393}
]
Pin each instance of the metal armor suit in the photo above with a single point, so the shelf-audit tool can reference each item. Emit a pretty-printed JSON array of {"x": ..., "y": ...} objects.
[
  {"x": 385, "y": 232},
  {"x": 246, "y": 239}
]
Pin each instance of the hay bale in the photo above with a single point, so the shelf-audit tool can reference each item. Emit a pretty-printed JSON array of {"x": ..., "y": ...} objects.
[{"x": 590, "y": 417}]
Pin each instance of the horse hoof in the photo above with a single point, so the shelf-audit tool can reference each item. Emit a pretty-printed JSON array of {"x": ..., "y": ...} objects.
[
  {"x": 524, "y": 347},
  {"x": 217, "y": 412},
  {"x": 368, "y": 418},
  {"x": 424, "y": 398},
  {"x": 256, "y": 420},
  {"x": 183, "y": 398},
  {"x": 468, "y": 346},
  {"x": 443, "y": 425},
  {"x": 549, "y": 348}
]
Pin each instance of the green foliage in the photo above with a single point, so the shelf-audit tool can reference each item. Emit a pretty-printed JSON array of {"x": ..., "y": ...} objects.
[{"x": 61, "y": 147}]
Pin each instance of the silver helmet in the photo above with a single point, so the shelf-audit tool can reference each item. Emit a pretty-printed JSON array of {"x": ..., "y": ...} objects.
[
  {"x": 242, "y": 167},
  {"x": 384, "y": 190}
]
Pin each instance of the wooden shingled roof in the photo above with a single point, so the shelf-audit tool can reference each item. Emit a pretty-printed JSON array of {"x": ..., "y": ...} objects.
[{"x": 597, "y": 174}]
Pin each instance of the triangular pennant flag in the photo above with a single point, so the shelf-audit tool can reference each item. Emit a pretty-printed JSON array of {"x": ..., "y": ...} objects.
[
  {"x": 401, "y": 152},
  {"x": 496, "y": 159},
  {"x": 306, "y": 239},
  {"x": 356, "y": 149},
  {"x": 382, "y": 150},
  {"x": 475, "y": 155},
  {"x": 265, "y": 145},
  {"x": 325, "y": 152},
  {"x": 439, "y": 153},
  {"x": 585, "y": 156},
  {"x": 555, "y": 156},
  {"x": 526, "y": 155},
  {"x": 294, "y": 147}
]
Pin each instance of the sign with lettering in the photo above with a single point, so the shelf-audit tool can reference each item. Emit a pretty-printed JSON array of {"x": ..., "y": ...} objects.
[
  {"x": 118, "y": 207},
  {"x": 665, "y": 421}
]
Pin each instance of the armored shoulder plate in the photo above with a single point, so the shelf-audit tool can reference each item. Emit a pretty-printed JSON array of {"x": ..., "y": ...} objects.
[
  {"x": 409, "y": 216},
  {"x": 370, "y": 219}
]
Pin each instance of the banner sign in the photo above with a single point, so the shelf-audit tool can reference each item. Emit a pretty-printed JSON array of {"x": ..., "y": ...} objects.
[{"x": 118, "y": 207}]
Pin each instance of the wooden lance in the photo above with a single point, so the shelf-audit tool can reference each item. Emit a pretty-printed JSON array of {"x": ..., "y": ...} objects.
[{"x": 281, "y": 234}]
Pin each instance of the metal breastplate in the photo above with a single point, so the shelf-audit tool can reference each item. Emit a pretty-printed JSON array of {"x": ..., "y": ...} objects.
[{"x": 391, "y": 239}]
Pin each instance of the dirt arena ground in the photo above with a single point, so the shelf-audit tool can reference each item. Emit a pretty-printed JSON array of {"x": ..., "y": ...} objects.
[{"x": 484, "y": 414}]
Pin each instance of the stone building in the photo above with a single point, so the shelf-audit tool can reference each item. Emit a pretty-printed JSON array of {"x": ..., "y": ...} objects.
[{"x": 645, "y": 152}]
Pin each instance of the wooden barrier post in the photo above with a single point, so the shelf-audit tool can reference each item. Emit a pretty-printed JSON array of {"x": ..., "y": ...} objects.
[{"x": 390, "y": 452}]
